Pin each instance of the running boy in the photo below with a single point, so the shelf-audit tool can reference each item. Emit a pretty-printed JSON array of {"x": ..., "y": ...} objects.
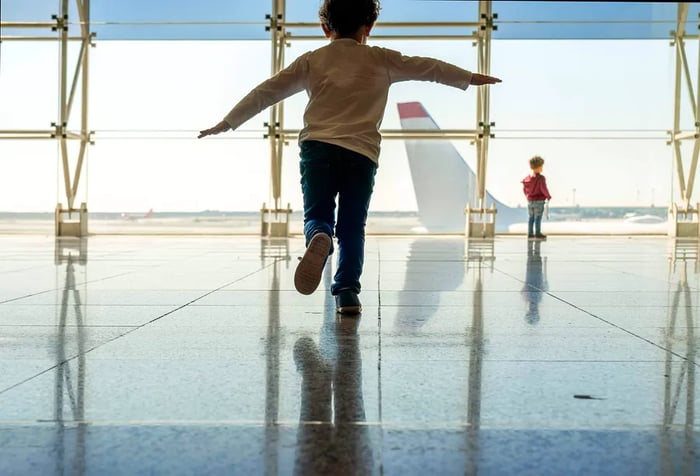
[
  {"x": 347, "y": 83},
  {"x": 535, "y": 189}
]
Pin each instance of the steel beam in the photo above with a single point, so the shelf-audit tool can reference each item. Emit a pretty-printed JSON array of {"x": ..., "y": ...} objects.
[
  {"x": 684, "y": 218},
  {"x": 396, "y": 25},
  {"x": 68, "y": 87},
  {"x": 481, "y": 215},
  {"x": 403, "y": 134},
  {"x": 389, "y": 37},
  {"x": 275, "y": 220}
]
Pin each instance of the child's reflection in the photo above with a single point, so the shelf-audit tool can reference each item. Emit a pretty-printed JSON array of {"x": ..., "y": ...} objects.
[
  {"x": 535, "y": 281},
  {"x": 332, "y": 437}
]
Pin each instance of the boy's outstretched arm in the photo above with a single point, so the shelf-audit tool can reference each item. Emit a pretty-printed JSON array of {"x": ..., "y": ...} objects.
[
  {"x": 217, "y": 129},
  {"x": 482, "y": 79},
  {"x": 412, "y": 68},
  {"x": 290, "y": 80}
]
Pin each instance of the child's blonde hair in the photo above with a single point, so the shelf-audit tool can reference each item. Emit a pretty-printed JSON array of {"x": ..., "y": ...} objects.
[{"x": 536, "y": 162}]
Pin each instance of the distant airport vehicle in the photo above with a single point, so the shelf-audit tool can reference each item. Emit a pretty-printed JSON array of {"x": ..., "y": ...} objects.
[{"x": 130, "y": 217}]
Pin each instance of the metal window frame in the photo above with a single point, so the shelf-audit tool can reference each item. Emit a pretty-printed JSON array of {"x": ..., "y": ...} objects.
[
  {"x": 69, "y": 220},
  {"x": 275, "y": 219},
  {"x": 480, "y": 221},
  {"x": 683, "y": 217}
]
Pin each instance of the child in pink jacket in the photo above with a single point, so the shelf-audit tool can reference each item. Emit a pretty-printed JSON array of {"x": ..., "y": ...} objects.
[{"x": 535, "y": 189}]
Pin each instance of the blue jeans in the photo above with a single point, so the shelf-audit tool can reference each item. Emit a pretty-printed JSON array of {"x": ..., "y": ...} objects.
[
  {"x": 535, "y": 210},
  {"x": 329, "y": 171}
]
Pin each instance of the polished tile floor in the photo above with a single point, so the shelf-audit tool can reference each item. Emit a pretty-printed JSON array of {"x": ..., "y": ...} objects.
[{"x": 194, "y": 355}]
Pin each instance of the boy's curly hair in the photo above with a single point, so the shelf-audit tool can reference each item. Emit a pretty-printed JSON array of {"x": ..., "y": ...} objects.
[
  {"x": 345, "y": 16},
  {"x": 536, "y": 161}
]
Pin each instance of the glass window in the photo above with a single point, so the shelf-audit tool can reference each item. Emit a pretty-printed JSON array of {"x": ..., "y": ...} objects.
[
  {"x": 583, "y": 84},
  {"x": 180, "y": 19},
  {"x": 29, "y": 85},
  {"x": 588, "y": 20},
  {"x": 588, "y": 86},
  {"x": 589, "y": 171},
  {"x": 34, "y": 10},
  {"x": 29, "y": 185}
]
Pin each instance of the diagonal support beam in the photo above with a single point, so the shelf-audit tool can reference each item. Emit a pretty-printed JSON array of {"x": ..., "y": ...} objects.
[
  {"x": 71, "y": 177},
  {"x": 683, "y": 74}
]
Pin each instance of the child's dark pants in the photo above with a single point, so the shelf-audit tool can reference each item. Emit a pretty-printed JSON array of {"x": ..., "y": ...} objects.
[{"x": 328, "y": 171}]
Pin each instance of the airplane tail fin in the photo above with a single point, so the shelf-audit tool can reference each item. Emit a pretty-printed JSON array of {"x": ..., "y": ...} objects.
[{"x": 443, "y": 182}]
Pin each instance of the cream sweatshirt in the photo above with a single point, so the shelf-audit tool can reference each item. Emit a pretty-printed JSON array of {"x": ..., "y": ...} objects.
[{"x": 347, "y": 84}]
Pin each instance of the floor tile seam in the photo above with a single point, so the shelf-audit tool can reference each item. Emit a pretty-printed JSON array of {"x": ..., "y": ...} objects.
[
  {"x": 157, "y": 356},
  {"x": 106, "y": 278},
  {"x": 380, "y": 360},
  {"x": 606, "y": 321},
  {"x": 93, "y": 304},
  {"x": 82, "y": 283},
  {"x": 371, "y": 361},
  {"x": 625, "y": 330},
  {"x": 502, "y": 291},
  {"x": 430, "y": 425},
  {"x": 134, "y": 329},
  {"x": 30, "y": 268},
  {"x": 644, "y": 277},
  {"x": 70, "y": 326},
  {"x": 395, "y": 360}
]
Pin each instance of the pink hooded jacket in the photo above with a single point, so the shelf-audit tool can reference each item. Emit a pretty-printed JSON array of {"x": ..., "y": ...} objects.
[{"x": 535, "y": 188}]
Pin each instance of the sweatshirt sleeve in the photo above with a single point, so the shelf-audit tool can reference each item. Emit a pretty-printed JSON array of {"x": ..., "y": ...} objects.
[
  {"x": 418, "y": 68},
  {"x": 543, "y": 188},
  {"x": 287, "y": 82}
]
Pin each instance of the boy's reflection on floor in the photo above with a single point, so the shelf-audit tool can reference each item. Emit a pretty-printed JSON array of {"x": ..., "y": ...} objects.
[
  {"x": 332, "y": 437},
  {"x": 535, "y": 281}
]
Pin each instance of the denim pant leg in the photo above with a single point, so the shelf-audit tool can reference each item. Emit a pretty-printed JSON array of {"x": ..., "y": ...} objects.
[
  {"x": 536, "y": 210},
  {"x": 355, "y": 187},
  {"x": 531, "y": 225},
  {"x": 318, "y": 188}
]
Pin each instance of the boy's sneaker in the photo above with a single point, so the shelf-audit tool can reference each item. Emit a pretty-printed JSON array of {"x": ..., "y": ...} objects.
[
  {"x": 347, "y": 302},
  {"x": 308, "y": 273},
  {"x": 541, "y": 236}
]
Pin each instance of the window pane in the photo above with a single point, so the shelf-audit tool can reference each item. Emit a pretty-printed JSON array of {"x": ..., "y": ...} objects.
[
  {"x": 586, "y": 84},
  {"x": 29, "y": 185},
  {"x": 29, "y": 85},
  {"x": 180, "y": 19}
]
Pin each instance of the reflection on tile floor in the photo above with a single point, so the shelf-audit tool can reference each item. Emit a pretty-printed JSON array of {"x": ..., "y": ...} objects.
[{"x": 194, "y": 355}]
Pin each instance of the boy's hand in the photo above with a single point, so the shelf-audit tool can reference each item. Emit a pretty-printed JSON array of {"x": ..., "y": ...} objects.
[
  {"x": 217, "y": 129},
  {"x": 481, "y": 79}
]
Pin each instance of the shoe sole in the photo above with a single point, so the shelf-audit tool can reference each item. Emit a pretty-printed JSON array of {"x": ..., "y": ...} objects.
[
  {"x": 349, "y": 309},
  {"x": 308, "y": 274}
]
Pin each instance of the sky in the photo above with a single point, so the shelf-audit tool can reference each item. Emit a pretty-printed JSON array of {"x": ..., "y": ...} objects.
[
  {"x": 516, "y": 19},
  {"x": 148, "y": 98}
]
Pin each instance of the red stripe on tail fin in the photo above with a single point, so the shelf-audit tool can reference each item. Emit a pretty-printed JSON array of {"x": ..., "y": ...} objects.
[{"x": 411, "y": 109}]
